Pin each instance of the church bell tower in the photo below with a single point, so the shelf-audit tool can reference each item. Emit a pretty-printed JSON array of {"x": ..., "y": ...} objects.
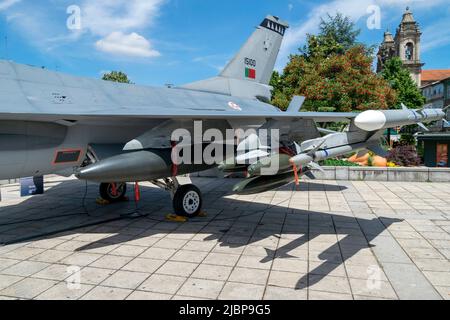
[
  {"x": 407, "y": 41},
  {"x": 405, "y": 45}
]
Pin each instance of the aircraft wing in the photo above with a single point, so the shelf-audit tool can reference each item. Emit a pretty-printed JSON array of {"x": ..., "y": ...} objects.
[{"x": 180, "y": 114}]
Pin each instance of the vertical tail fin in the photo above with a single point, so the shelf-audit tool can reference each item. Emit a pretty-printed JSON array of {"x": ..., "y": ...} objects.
[
  {"x": 256, "y": 59},
  {"x": 248, "y": 74}
]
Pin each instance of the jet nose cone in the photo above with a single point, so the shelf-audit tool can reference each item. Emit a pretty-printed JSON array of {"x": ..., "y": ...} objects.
[{"x": 371, "y": 120}]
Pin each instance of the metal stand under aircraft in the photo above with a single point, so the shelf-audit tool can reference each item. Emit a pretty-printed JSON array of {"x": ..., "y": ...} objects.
[{"x": 187, "y": 199}]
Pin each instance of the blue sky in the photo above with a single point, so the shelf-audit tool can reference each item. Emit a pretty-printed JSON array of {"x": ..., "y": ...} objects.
[{"x": 178, "y": 41}]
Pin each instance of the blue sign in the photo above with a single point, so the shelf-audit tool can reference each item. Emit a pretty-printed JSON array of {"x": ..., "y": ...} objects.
[{"x": 31, "y": 186}]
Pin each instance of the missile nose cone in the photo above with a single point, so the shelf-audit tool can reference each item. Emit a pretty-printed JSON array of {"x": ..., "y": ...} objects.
[{"x": 371, "y": 120}]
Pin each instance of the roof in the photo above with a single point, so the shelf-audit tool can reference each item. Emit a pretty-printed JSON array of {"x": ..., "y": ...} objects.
[
  {"x": 435, "y": 75},
  {"x": 408, "y": 16}
]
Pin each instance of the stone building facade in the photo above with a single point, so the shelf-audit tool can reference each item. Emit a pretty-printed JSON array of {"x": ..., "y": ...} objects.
[{"x": 405, "y": 44}]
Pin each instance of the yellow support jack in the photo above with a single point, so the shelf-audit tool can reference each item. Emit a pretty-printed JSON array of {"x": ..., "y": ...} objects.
[
  {"x": 176, "y": 218},
  {"x": 102, "y": 202}
]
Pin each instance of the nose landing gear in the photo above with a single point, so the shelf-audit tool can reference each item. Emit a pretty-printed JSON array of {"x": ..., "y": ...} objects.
[
  {"x": 187, "y": 199},
  {"x": 113, "y": 192}
]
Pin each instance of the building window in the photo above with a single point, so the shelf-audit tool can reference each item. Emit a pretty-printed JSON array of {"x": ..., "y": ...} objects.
[{"x": 409, "y": 51}]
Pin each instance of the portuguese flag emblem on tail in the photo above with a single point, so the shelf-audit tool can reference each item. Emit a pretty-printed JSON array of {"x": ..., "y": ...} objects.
[{"x": 250, "y": 73}]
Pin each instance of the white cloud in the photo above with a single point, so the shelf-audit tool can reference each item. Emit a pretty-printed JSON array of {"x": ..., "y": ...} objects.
[
  {"x": 101, "y": 17},
  {"x": 356, "y": 9},
  {"x": 132, "y": 45},
  {"x": 5, "y": 4}
]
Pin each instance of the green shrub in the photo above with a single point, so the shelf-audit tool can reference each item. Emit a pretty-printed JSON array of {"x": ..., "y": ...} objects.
[{"x": 338, "y": 163}]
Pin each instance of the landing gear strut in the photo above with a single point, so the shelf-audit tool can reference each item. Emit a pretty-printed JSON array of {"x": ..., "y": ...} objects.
[
  {"x": 187, "y": 199},
  {"x": 113, "y": 192}
]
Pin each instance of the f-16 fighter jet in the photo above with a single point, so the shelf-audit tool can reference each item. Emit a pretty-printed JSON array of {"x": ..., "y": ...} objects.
[{"x": 114, "y": 134}]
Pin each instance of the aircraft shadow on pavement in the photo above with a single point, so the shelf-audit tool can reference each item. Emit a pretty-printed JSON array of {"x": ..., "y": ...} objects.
[{"x": 243, "y": 223}]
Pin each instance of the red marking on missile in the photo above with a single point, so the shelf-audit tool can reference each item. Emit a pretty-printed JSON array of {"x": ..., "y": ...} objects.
[{"x": 137, "y": 192}]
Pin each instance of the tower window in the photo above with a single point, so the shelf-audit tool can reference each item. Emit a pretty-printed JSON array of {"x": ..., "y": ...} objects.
[{"x": 409, "y": 51}]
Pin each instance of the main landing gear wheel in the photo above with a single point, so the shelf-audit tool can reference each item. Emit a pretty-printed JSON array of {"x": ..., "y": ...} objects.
[
  {"x": 188, "y": 201},
  {"x": 113, "y": 192}
]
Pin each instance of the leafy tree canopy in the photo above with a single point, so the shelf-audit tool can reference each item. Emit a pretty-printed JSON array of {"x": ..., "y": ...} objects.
[
  {"x": 116, "y": 76},
  {"x": 400, "y": 80},
  {"x": 334, "y": 72},
  {"x": 337, "y": 35}
]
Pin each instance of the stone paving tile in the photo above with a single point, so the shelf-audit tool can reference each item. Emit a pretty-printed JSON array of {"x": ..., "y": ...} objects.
[
  {"x": 323, "y": 295},
  {"x": 440, "y": 279},
  {"x": 62, "y": 291},
  {"x": 143, "y": 295},
  {"x": 158, "y": 253},
  {"x": 51, "y": 256},
  {"x": 94, "y": 276},
  {"x": 111, "y": 262},
  {"x": 189, "y": 256},
  {"x": 253, "y": 262},
  {"x": 199, "y": 288},
  {"x": 107, "y": 293},
  {"x": 271, "y": 254},
  {"x": 57, "y": 272},
  {"x": 380, "y": 289},
  {"x": 80, "y": 259},
  {"x": 221, "y": 259},
  {"x": 143, "y": 265},
  {"x": 280, "y": 293},
  {"x": 288, "y": 280},
  {"x": 173, "y": 268},
  {"x": 125, "y": 279},
  {"x": 127, "y": 251},
  {"x": 23, "y": 253},
  {"x": 242, "y": 291},
  {"x": 212, "y": 272},
  {"x": 162, "y": 284},
  {"x": 6, "y": 263},
  {"x": 28, "y": 288},
  {"x": 250, "y": 276},
  {"x": 444, "y": 291},
  {"x": 329, "y": 284},
  {"x": 25, "y": 268},
  {"x": 6, "y": 280}
]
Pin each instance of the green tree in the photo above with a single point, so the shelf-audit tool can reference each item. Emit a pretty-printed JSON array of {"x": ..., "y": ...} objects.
[
  {"x": 116, "y": 76},
  {"x": 333, "y": 71},
  {"x": 400, "y": 80},
  {"x": 338, "y": 83},
  {"x": 337, "y": 35}
]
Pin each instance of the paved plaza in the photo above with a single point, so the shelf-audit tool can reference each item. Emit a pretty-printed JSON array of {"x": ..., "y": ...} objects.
[{"x": 327, "y": 240}]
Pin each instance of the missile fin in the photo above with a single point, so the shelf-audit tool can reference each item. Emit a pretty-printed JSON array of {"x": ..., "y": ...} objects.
[
  {"x": 420, "y": 124},
  {"x": 404, "y": 108},
  {"x": 310, "y": 175},
  {"x": 316, "y": 166}
]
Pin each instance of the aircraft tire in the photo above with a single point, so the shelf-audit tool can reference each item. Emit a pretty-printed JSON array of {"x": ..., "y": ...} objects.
[
  {"x": 106, "y": 192},
  {"x": 188, "y": 201}
]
